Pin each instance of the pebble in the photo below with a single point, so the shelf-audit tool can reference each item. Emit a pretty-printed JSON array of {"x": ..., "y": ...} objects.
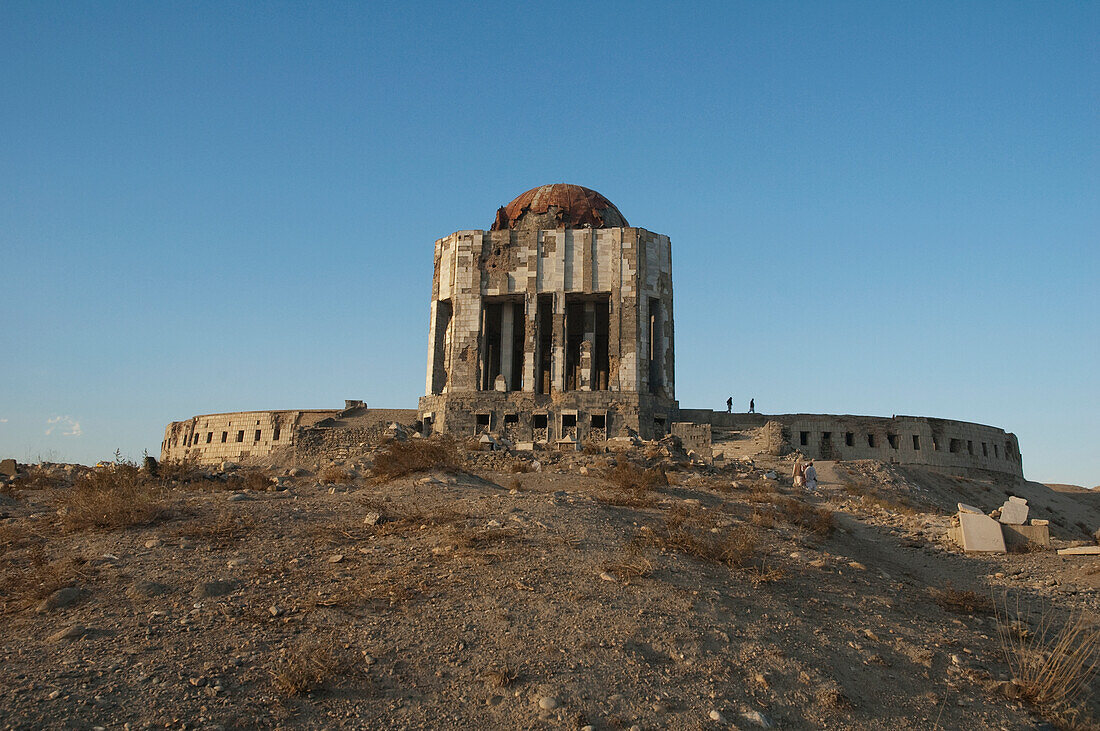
[
  {"x": 54, "y": 694},
  {"x": 74, "y": 632},
  {"x": 548, "y": 703},
  {"x": 716, "y": 716},
  {"x": 336, "y": 558},
  {"x": 238, "y": 497},
  {"x": 372, "y": 518},
  {"x": 606, "y": 576},
  {"x": 274, "y": 610},
  {"x": 152, "y": 543}
]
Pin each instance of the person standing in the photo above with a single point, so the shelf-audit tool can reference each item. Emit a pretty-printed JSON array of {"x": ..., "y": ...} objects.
[
  {"x": 811, "y": 477},
  {"x": 729, "y": 405},
  {"x": 799, "y": 475},
  {"x": 752, "y": 406}
]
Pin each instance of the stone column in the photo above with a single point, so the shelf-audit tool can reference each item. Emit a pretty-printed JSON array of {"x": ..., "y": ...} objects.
[
  {"x": 507, "y": 312},
  {"x": 588, "y": 361},
  {"x": 557, "y": 366}
]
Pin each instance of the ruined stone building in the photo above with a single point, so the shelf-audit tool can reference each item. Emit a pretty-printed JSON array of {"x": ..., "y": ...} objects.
[
  {"x": 554, "y": 328},
  {"x": 553, "y": 325}
]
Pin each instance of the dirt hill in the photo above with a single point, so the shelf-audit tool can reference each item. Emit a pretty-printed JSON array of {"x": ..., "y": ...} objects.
[{"x": 617, "y": 590}]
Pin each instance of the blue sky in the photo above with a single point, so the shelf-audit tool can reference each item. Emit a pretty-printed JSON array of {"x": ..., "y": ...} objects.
[{"x": 875, "y": 208}]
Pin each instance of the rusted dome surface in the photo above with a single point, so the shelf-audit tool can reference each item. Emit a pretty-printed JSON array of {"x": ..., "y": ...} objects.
[{"x": 556, "y": 206}]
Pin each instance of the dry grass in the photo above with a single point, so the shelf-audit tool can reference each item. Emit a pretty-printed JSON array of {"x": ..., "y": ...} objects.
[
  {"x": 415, "y": 455},
  {"x": 633, "y": 567},
  {"x": 36, "y": 477},
  {"x": 118, "y": 496},
  {"x": 227, "y": 529},
  {"x": 180, "y": 470},
  {"x": 29, "y": 576},
  {"x": 1054, "y": 664},
  {"x": 818, "y": 521},
  {"x": 306, "y": 667},
  {"x": 502, "y": 675},
  {"x": 633, "y": 485},
  {"x": 700, "y": 537},
  {"x": 763, "y": 574},
  {"x": 961, "y": 601},
  {"x": 333, "y": 475}
]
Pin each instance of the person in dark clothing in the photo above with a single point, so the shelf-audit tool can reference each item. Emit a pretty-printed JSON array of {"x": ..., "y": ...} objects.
[
  {"x": 729, "y": 405},
  {"x": 752, "y": 406}
]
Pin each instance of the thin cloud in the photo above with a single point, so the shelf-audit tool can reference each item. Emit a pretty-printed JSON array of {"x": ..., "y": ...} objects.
[
  {"x": 66, "y": 426},
  {"x": 3, "y": 421}
]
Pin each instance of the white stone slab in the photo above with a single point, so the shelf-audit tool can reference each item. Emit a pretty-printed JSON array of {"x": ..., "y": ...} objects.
[
  {"x": 980, "y": 533},
  {"x": 1014, "y": 499},
  {"x": 1080, "y": 551},
  {"x": 1013, "y": 513},
  {"x": 964, "y": 508}
]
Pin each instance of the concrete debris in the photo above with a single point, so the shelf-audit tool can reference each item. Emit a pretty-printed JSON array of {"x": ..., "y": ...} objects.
[
  {"x": 964, "y": 508},
  {"x": 1080, "y": 551},
  {"x": 9, "y": 468},
  {"x": 980, "y": 533},
  {"x": 1014, "y": 511}
]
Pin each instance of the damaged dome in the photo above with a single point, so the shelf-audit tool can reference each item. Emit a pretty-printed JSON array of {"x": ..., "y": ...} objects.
[{"x": 557, "y": 206}]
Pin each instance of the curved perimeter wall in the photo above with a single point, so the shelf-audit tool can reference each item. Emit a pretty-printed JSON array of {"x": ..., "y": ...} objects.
[
  {"x": 899, "y": 440},
  {"x": 215, "y": 438}
]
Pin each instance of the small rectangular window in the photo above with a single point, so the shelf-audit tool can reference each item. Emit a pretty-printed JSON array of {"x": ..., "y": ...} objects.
[
  {"x": 225, "y": 437},
  {"x": 240, "y": 435},
  {"x": 539, "y": 421},
  {"x": 970, "y": 446},
  {"x": 953, "y": 446},
  {"x": 257, "y": 436},
  {"x": 985, "y": 450},
  {"x": 803, "y": 438},
  {"x": 935, "y": 444},
  {"x": 916, "y": 441},
  {"x": 849, "y": 439},
  {"x": 511, "y": 419},
  {"x": 871, "y": 440},
  {"x": 826, "y": 436},
  {"x": 893, "y": 439},
  {"x": 483, "y": 421},
  {"x": 568, "y": 420},
  {"x": 275, "y": 435},
  {"x": 209, "y": 437},
  {"x": 599, "y": 421},
  {"x": 996, "y": 452}
]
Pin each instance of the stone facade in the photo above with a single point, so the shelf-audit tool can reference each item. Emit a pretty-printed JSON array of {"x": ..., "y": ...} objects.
[
  {"x": 899, "y": 440},
  {"x": 559, "y": 334}
]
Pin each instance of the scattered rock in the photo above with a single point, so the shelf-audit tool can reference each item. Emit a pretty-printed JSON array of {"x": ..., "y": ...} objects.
[
  {"x": 548, "y": 703},
  {"x": 212, "y": 589},
  {"x": 60, "y": 599},
  {"x": 152, "y": 543},
  {"x": 336, "y": 558},
  {"x": 238, "y": 497},
  {"x": 75, "y": 632},
  {"x": 372, "y": 518},
  {"x": 606, "y": 576},
  {"x": 9, "y": 468},
  {"x": 757, "y": 718},
  {"x": 716, "y": 716}
]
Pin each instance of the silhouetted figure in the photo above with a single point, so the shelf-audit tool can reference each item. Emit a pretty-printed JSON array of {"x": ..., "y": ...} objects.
[
  {"x": 729, "y": 405},
  {"x": 811, "y": 477},
  {"x": 752, "y": 406}
]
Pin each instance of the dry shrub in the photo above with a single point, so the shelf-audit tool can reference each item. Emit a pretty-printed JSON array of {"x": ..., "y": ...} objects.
[
  {"x": 27, "y": 577},
  {"x": 415, "y": 455},
  {"x": 117, "y": 496},
  {"x": 36, "y": 477},
  {"x": 248, "y": 480},
  {"x": 633, "y": 567},
  {"x": 818, "y": 521},
  {"x": 961, "y": 601},
  {"x": 632, "y": 478},
  {"x": 520, "y": 466},
  {"x": 762, "y": 574},
  {"x": 225, "y": 530},
  {"x": 592, "y": 448},
  {"x": 1054, "y": 665},
  {"x": 502, "y": 675},
  {"x": 337, "y": 475},
  {"x": 305, "y": 668},
  {"x": 763, "y": 517},
  {"x": 701, "y": 537},
  {"x": 180, "y": 470},
  {"x": 763, "y": 491}
]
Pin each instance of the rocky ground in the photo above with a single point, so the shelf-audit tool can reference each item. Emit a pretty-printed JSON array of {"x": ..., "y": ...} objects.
[{"x": 503, "y": 594}]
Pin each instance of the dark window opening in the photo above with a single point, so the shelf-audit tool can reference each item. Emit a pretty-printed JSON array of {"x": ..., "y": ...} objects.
[
  {"x": 574, "y": 336},
  {"x": 225, "y": 437},
  {"x": 916, "y": 441},
  {"x": 985, "y": 450},
  {"x": 871, "y": 442},
  {"x": 935, "y": 444},
  {"x": 502, "y": 332},
  {"x": 544, "y": 322},
  {"x": 996, "y": 452},
  {"x": 539, "y": 421},
  {"x": 568, "y": 421},
  {"x": 209, "y": 437},
  {"x": 970, "y": 446},
  {"x": 483, "y": 421},
  {"x": 849, "y": 439},
  {"x": 893, "y": 440},
  {"x": 275, "y": 435},
  {"x": 826, "y": 436},
  {"x": 803, "y": 438},
  {"x": 659, "y": 424},
  {"x": 953, "y": 446},
  {"x": 257, "y": 436},
  {"x": 599, "y": 421},
  {"x": 656, "y": 351},
  {"x": 444, "y": 312},
  {"x": 240, "y": 435},
  {"x": 511, "y": 419}
]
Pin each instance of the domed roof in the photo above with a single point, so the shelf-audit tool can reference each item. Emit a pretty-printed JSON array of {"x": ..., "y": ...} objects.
[{"x": 558, "y": 205}]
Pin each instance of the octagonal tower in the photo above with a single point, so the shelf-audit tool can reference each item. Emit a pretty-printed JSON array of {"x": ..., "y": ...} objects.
[{"x": 553, "y": 326}]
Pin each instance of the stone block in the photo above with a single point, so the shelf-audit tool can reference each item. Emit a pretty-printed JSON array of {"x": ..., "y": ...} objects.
[
  {"x": 980, "y": 533},
  {"x": 1014, "y": 499},
  {"x": 964, "y": 508},
  {"x": 1080, "y": 551},
  {"x": 1017, "y": 535},
  {"x": 1037, "y": 521},
  {"x": 1013, "y": 513},
  {"x": 9, "y": 468},
  {"x": 524, "y": 447}
]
